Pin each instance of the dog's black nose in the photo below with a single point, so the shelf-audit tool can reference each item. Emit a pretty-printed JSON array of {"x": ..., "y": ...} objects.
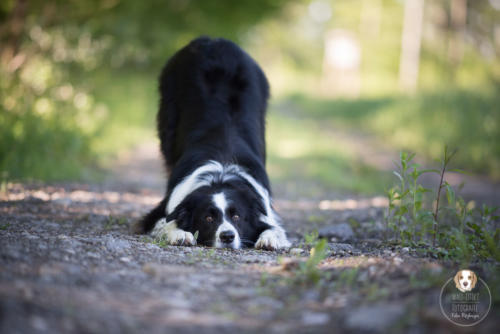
[
  {"x": 226, "y": 237},
  {"x": 466, "y": 283}
]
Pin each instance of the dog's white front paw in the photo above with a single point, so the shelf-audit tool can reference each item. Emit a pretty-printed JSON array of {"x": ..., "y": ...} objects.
[
  {"x": 180, "y": 238},
  {"x": 173, "y": 235},
  {"x": 272, "y": 239}
]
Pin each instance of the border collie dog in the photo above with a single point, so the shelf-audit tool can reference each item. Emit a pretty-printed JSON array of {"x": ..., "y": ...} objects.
[{"x": 211, "y": 125}]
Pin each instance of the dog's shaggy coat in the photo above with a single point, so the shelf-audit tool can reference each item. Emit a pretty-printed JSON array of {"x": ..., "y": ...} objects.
[{"x": 211, "y": 124}]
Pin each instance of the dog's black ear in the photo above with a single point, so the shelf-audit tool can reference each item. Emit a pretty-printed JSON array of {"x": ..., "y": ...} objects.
[{"x": 181, "y": 217}]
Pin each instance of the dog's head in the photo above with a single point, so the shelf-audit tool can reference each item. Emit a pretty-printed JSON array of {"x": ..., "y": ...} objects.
[
  {"x": 223, "y": 215},
  {"x": 465, "y": 280}
]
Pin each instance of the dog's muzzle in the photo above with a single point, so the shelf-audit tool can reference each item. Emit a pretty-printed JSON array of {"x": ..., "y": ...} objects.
[{"x": 227, "y": 237}]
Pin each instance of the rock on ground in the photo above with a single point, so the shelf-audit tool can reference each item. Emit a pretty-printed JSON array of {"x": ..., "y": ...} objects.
[{"x": 342, "y": 231}]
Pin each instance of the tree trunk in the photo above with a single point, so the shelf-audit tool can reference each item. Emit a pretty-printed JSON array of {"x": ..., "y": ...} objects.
[
  {"x": 458, "y": 20},
  {"x": 410, "y": 45},
  {"x": 11, "y": 32}
]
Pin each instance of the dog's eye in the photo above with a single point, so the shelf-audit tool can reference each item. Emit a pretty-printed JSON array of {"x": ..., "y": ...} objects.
[
  {"x": 461, "y": 277},
  {"x": 235, "y": 218},
  {"x": 209, "y": 219}
]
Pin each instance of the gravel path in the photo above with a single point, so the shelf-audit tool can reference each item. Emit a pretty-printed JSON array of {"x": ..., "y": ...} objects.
[{"x": 68, "y": 263}]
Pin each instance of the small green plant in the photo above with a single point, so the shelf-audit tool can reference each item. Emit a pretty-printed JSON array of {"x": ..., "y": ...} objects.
[
  {"x": 477, "y": 236},
  {"x": 406, "y": 214},
  {"x": 449, "y": 191},
  {"x": 308, "y": 272},
  {"x": 146, "y": 239},
  {"x": 264, "y": 278},
  {"x": 4, "y": 227},
  {"x": 112, "y": 221},
  {"x": 311, "y": 238},
  {"x": 160, "y": 242},
  {"x": 4, "y": 181},
  {"x": 347, "y": 278},
  {"x": 453, "y": 229}
]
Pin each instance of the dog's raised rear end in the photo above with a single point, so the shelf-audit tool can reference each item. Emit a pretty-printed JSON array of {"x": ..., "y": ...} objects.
[{"x": 211, "y": 125}]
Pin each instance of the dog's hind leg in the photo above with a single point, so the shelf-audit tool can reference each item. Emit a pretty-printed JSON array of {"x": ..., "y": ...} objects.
[{"x": 148, "y": 222}]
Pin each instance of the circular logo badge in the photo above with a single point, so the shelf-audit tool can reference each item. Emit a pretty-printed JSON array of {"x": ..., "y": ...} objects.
[{"x": 465, "y": 299}]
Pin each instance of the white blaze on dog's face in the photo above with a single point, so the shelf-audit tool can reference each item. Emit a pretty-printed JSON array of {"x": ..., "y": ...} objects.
[
  {"x": 218, "y": 201},
  {"x": 226, "y": 235},
  {"x": 465, "y": 280},
  {"x": 219, "y": 217}
]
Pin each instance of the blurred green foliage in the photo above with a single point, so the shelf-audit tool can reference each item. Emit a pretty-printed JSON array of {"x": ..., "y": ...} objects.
[
  {"x": 304, "y": 149},
  {"x": 291, "y": 46},
  {"x": 78, "y": 81},
  {"x": 466, "y": 119},
  {"x": 78, "y": 78}
]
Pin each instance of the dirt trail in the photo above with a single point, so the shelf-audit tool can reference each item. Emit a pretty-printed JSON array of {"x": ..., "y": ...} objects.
[{"x": 69, "y": 264}]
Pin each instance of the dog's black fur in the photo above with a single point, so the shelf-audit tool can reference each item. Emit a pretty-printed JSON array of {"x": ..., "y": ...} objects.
[{"x": 213, "y": 104}]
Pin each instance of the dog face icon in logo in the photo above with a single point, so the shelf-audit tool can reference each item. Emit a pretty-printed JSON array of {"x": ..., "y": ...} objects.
[{"x": 465, "y": 280}]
